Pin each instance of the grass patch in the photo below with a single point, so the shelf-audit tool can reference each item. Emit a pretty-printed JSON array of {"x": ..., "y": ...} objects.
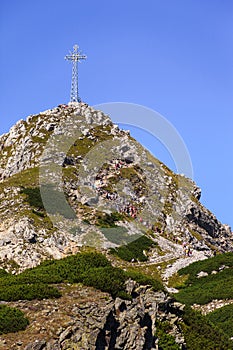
[
  {"x": 26, "y": 178},
  {"x": 177, "y": 281},
  {"x": 144, "y": 279},
  {"x": 149, "y": 270},
  {"x": 133, "y": 174},
  {"x": 83, "y": 145}
]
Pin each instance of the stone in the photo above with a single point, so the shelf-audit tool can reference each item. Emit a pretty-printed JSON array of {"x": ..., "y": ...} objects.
[
  {"x": 66, "y": 334},
  {"x": 202, "y": 274},
  {"x": 37, "y": 345}
]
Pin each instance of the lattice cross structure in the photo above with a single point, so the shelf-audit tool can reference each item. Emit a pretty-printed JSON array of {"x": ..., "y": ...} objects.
[{"x": 76, "y": 56}]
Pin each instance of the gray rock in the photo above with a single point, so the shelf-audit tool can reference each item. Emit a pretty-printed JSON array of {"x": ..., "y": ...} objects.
[{"x": 37, "y": 345}]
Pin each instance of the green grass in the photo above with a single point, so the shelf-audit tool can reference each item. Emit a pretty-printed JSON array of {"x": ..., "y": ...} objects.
[
  {"x": 82, "y": 146},
  {"x": 11, "y": 320},
  {"x": 133, "y": 174},
  {"x": 144, "y": 279},
  {"x": 134, "y": 250},
  {"x": 26, "y": 178}
]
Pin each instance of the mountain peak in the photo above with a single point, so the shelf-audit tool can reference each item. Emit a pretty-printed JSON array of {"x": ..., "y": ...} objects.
[{"x": 70, "y": 177}]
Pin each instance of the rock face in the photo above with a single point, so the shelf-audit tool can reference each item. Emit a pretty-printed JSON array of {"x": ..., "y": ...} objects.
[{"x": 85, "y": 168}]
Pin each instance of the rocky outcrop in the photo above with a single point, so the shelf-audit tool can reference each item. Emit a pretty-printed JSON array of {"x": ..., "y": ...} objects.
[{"x": 98, "y": 322}]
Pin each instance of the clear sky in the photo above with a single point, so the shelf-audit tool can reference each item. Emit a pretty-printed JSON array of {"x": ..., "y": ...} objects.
[{"x": 173, "y": 56}]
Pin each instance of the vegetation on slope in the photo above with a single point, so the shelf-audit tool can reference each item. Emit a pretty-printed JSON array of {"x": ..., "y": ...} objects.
[
  {"x": 90, "y": 268},
  {"x": 198, "y": 331},
  {"x": 223, "y": 318},
  {"x": 213, "y": 330},
  {"x": 166, "y": 341},
  {"x": 204, "y": 289},
  {"x": 11, "y": 320},
  {"x": 200, "y": 334},
  {"x": 208, "y": 265}
]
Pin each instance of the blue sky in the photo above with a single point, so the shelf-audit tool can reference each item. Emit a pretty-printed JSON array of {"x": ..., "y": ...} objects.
[{"x": 173, "y": 56}]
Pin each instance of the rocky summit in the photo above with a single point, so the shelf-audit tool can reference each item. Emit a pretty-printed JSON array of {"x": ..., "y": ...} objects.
[{"x": 71, "y": 179}]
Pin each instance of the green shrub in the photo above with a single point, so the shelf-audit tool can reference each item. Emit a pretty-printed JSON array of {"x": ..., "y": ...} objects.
[
  {"x": 134, "y": 250},
  {"x": 108, "y": 279},
  {"x": 28, "y": 292},
  {"x": 207, "y": 265},
  {"x": 108, "y": 220},
  {"x": 3, "y": 273},
  {"x": 200, "y": 334},
  {"x": 166, "y": 341},
  {"x": 91, "y": 269},
  {"x": 223, "y": 319},
  {"x": 53, "y": 200},
  {"x": 11, "y": 320},
  {"x": 33, "y": 197},
  {"x": 117, "y": 234},
  {"x": 205, "y": 289}
]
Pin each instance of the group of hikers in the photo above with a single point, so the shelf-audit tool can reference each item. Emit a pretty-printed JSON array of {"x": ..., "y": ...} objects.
[
  {"x": 130, "y": 208},
  {"x": 107, "y": 195},
  {"x": 102, "y": 179},
  {"x": 186, "y": 249},
  {"x": 101, "y": 185}
]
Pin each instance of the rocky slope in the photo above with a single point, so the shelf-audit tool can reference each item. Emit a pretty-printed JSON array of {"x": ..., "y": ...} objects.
[{"x": 84, "y": 318}]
